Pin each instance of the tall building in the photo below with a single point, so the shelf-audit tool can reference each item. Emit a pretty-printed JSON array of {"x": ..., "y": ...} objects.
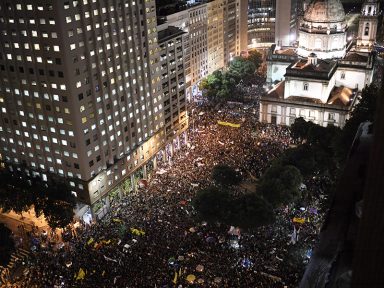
[
  {"x": 173, "y": 81},
  {"x": 272, "y": 22},
  {"x": 81, "y": 93},
  {"x": 215, "y": 33}
]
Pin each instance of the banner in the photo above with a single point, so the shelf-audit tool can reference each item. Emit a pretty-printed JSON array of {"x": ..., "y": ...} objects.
[
  {"x": 228, "y": 124},
  {"x": 137, "y": 232},
  {"x": 298, "y": 220},
  {"x": 174, "y": 281},
  {"x": 80, "y": 275}
]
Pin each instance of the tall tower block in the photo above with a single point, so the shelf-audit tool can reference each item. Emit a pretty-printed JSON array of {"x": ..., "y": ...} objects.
[{"x": 368, "y": 25}]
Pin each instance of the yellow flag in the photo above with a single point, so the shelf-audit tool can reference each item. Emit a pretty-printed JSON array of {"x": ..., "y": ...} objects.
[
  {"x": 175, "y": 279},
  {"x": 228, "y": 124},
  {"x": 298, "y": 220},
  {"x": 80, "y": 275}
]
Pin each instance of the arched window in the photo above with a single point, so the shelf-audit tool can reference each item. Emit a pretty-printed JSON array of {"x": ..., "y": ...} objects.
[
  {"x": 318, "y": 44},
  {"x": 305, "y": 87},
  {"x": 342, "y": 75},
  {"x": 366, "y": 30}
]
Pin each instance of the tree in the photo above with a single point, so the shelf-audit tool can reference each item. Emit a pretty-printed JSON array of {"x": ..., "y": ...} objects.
[
  {"x": 256, "y": 58},
  {"x": 241, "y": 68},
  {"x": 20, "y": 192},
  {"x": 281, "y": 184},
  {"x": 363, "y": 111},
  {"x": 250, "y": 211},
  {"x": 215, "y": 86},
  {"x": 212, "y": 204},
  {"x": 225, "y": 175},
  {"x": 7, "y": 246},
  {"x": 59, "y": 205},
  {"x": 300, "y": 128}
]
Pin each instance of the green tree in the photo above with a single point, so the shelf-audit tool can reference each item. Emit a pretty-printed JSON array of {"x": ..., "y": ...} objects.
[
  {"x": 363, "y": 111},
  {"x": 7, "y": 246},
  {"x": 250, "y": 211},
  {"x": 300, "y": 128},
  {"x": 20, "y": 192},
  {"x": 212, "y": 85},
  {"x": 241, "y": 68},
  {"x": 59, "y": 205},
  {"x": 225, "y": 175},
  {"x": 281, "y": 184},
  {"x": 256, "y": 58},
  {"x": 212, "y": 204}
]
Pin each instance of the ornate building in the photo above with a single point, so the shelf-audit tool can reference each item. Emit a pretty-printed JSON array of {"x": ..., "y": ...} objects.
[
  {"x": 323, "y": 30},
  {"x": 368, "y": 25},
  {"x": 321, "y": 79}
]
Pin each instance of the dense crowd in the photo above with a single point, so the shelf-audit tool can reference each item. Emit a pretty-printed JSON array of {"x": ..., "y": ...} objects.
[{"x": 152, "y": 238}]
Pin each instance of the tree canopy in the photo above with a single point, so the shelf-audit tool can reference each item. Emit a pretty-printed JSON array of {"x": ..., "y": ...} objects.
[
  {"x": 250, "y": 211},
  {"x": 212, "y": 204},
  {"x": 256, "y": 58},
  {"x": 225, "y": 175},
  {"x": 281, "y": 184},
  {"x": 363, "y": 111},
  {"x": 20, "y": 192},
  {"x": 7, "y": 245},
  {"x": 247, "y": 211},
  {"x": 221, "y": 85}
]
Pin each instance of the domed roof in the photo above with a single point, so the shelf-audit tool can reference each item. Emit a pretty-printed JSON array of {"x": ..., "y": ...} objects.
[{"x": 324, "y": 11}]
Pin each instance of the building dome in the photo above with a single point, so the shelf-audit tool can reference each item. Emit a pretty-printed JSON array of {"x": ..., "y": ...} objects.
[
  {"x": 325, "y": 11},
  {"x": 323, "y": 30}
]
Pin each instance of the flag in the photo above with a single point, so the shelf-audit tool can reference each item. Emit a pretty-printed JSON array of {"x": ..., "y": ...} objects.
[
  {"x": 174, "y": 281},
  {"x": 80, "y": 275},
  {"x": 228, "y": 124},
  {"x": 298, "y": 220},
  {"x": 137, "y": 232}
]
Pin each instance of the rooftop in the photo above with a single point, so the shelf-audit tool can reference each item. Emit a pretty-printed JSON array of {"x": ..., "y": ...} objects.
[
  {"x": 169, "y": 33},
  {"x": 356, "y": 57},
  {"x": 323, "y": 69},
  {"x": 341, "y": 96}
]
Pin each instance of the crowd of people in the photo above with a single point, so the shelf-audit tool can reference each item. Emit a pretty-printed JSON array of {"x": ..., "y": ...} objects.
[{"x": 152, "y": 238}]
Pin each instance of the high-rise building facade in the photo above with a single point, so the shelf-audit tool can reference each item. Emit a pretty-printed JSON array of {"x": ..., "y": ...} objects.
[
  {"x": 171, "y": 44},
  {"x": 81, "y": 93},
  {"x": 272, "y": 22},
  {"x": 216, "y": 31},
  {"x": 215, "y": 35},
  {"x": 261, "y": 22}
]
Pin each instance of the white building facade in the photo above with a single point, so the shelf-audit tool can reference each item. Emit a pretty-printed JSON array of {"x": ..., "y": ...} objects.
[{"x": 323, "y": 82}]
